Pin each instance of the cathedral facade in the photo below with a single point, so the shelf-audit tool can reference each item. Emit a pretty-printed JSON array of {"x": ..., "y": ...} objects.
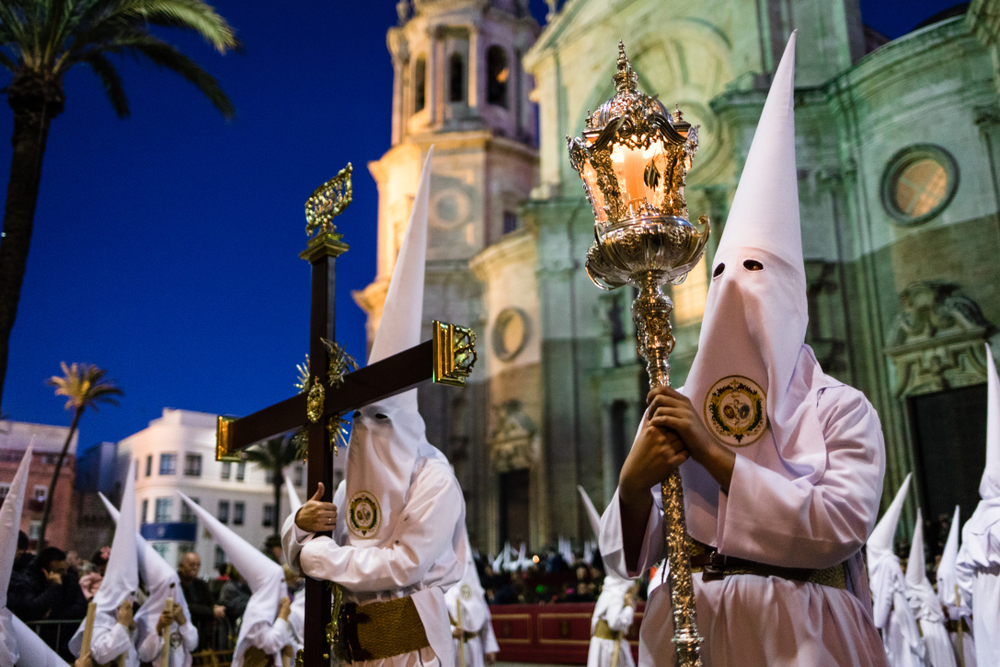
[{"x": 899, "y": 192}]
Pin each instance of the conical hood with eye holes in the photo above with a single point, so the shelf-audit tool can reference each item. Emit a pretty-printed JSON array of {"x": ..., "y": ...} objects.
[
  {"x": 121, "y": 575},
  {"x": 265, "y": 577},
  {"x": 881, "y": 540},
  {"x": 468, "y": 594},
  {"x": 389, "y": 437},
  {"x": 162, "y": 582},
  {"x": 753, "y": 381},
  {"x": 10, "y": 526}
]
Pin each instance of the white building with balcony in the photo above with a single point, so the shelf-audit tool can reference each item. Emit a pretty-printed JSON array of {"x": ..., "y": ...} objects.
[{"x": 177, "y": 453}]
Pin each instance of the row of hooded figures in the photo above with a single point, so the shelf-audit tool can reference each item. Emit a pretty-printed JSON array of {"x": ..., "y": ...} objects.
[{"x": 782, "y": 468}]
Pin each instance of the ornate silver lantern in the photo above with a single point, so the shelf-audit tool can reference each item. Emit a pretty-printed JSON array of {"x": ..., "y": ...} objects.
[{"x": 633, "y": 158}]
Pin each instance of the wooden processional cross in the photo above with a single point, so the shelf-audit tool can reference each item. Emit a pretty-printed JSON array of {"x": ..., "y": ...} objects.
[{"x": 330, "y": 391}]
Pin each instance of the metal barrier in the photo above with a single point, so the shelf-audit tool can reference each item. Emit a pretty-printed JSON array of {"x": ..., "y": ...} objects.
[{"x": 55, "y": 633}]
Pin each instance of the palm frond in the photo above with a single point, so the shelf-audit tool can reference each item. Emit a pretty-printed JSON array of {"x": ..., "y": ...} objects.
[
  {"x": 84, "y": 386},
  {"x": 186, "y": 14},
  {"x": 111, "y": 81},
  {"x": 164, "y": 55},
  {"x": 7, "y": 62}
]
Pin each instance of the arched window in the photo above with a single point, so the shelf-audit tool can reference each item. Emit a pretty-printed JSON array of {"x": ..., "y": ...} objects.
[
  {"x": 497, "y": 74},
  {"x": 419, "y": 79},
  {"x": 457, "y": 78}
]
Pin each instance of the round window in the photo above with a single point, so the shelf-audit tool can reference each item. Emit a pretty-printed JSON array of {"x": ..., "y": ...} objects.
[
  {"x": 919, "y": 182},
  {"x": 510, "y": 333}
]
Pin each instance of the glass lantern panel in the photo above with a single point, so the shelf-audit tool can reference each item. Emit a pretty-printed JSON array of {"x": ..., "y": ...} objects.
[{"x": 589, "y": 175}]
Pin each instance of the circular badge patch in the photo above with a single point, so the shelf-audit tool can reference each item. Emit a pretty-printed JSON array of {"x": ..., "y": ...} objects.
[
  {"x": 466, "y": 592},
  {"x": 363, "y": 515},
  {"x": 736, "y": 411}
]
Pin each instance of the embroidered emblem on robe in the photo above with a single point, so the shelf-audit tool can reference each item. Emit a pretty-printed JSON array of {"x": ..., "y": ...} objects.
[
  {"x": 736, "y": 411},
  {"x": 363, "y": 514}
]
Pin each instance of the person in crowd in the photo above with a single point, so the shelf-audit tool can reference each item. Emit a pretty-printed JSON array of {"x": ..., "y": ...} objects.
[
  {"x": 48, "y": 591},
  {"x": 204, "y": 612},
  {"x": 272, "y": 549},
  {"x": 216, "y": 584},
  {"x": 235, "y": 595},
  {"x": 113, "y": 621},
  {"x": 781, "y": 464},
  {"x": 23, "y": 557},
  {"x": 399, "y": 520},
  {"x": 265, "y": 636}
]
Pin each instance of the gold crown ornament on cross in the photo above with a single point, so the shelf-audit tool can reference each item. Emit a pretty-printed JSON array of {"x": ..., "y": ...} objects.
[{"x": 633, "y": 158}]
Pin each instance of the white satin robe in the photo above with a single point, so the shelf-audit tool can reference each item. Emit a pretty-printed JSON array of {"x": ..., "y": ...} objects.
[
  {"x": 771, "y": 516},
  {"x": 611, "y": 607},
  {"x": 183, "y": 642},
  {"x": 978, "y": 573},
  {"x": 418, "y": 561},
  {"x": 893, "y": 616},
  {"x": 926, "y": 608}
]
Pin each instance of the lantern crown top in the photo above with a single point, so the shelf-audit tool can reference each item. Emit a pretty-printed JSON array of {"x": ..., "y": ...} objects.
[{"x": 626, "y": 79}]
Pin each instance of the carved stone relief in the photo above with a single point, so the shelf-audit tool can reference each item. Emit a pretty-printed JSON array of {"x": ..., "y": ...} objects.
[
  {"x": 937, "y": 340},
  {"x": 514, "y": 442}
]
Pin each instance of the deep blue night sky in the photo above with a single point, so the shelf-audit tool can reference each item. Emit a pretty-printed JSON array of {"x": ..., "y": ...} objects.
[{"x": 166, "y": 245}]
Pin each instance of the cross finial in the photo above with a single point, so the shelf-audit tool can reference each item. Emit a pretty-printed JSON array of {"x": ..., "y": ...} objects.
[{"x": 328, "y": 201}]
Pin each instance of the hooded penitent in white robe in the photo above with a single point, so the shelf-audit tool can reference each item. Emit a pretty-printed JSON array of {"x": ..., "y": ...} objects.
[
  {"x": 893, "y": 616},
  {"x": 162, "y": 582},
  {"x": 403, "y": 509},
  {"x": 468, "y": 594},
  {"x": 120, "y": 583},
  {"x": 610, "y": 608},
  {"x": 947, "y": 591},
  {"x": 297, "y": 617},
  {"x": 260, "y": 627},
  {"x": 19, "y": 645},
  {"x": 925, "y": 604},
  {"x": 809, "y": 453},
  {"x": 978, "y": 568}
]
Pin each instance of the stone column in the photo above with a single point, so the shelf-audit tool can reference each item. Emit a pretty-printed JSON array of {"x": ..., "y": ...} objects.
[
  {"x": 432, "y": 76},
  {"x": 473, "y": 66}
]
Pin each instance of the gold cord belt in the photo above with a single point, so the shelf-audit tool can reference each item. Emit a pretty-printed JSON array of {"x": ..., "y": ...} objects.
[
  {"x": 604, "y": 631},
  {"x": 380, "y": 630},
  {"x": 715, "y": 566}
]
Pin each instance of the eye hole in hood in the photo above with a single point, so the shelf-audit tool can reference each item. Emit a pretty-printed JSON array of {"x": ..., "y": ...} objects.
[
  {"x": 718, "y": 270},
  {"x": 752, "y": 265}
]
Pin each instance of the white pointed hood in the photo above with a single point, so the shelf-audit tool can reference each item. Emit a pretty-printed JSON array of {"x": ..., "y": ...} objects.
[
  {"x": 468, "y": 593},
  {"x": 981, "y": 533},
  {"x": 265, "y": 577},
  {"x": 34, "y": 651},
  {"x": 611, "y": 578},
  {"x": 946, "y": 575},
  {"x": 881, "y": 539},
  {"x": 916, "y": 566},
  {"x": 10, "y": 525},
  {"x": 389, "y": 437},
  {"x": 162, "y": 581},
  {"x": 754, "y": 381},
  {"x": 294, "y": 502},
  {"x": 121, "y": 576},
  {"x": 989, "y": 486}
]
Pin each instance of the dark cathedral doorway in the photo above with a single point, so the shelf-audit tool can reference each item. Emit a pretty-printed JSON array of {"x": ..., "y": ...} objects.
[
  {"x": 949, "y": 430},
  {"x": 515, "y": 505}
]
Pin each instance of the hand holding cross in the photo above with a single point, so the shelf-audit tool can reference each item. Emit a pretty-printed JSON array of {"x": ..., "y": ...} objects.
[{"x": 315, "y": 515}]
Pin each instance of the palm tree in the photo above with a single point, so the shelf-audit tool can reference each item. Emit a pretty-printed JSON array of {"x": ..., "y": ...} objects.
[
  {"x": 275, "y": 455},
  {"x": 40, "y": 40},
  {"x": 84, "y": 387}
]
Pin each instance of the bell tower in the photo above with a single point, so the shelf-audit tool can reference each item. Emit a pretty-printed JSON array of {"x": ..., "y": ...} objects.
[{"x": 459, "y": 85}]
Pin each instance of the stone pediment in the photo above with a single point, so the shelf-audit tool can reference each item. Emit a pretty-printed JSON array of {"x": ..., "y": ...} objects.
[{"x": 937, "y": 340}]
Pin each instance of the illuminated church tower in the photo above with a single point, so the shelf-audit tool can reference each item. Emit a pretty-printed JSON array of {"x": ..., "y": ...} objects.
[{"x": 459, "y": 85}]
